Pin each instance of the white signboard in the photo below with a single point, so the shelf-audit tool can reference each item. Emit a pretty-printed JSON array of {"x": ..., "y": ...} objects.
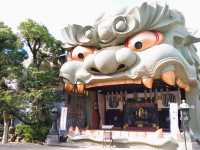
[
  {"x": 174, "y": 120},
  {"x": 63, "y": 118}
]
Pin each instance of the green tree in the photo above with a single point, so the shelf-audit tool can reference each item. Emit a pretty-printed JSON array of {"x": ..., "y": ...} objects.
[
  {"x": 10, "y": 67},
  {"x": 8, "y": 40},
  {"x": 38, "y": 93},
  {"x": 41, "y": 43},
  {"x": 40, "y": 86}
]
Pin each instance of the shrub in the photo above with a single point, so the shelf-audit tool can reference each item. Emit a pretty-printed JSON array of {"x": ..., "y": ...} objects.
[{"x": 32, "y": 133}]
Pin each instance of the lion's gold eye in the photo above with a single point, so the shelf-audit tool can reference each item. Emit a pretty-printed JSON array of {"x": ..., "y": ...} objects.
[
  {"x": 144, "y": 40},
  {"x": 80, "y": 52}
]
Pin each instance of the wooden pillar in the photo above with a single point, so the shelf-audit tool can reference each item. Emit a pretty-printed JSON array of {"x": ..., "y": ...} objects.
[
  {"x": 94, "y": 122},
  {"x": 101, "y": 107}
]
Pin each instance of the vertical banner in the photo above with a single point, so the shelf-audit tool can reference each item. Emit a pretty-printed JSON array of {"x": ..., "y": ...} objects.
[
  {"x": 63, "y": 118},
  {"x": 174, "y": 120}
]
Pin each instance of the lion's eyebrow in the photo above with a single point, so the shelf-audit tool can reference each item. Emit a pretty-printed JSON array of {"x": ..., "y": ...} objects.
[
  {"x": 76, "y": 35},
  {"x": 146, "y": 16}
]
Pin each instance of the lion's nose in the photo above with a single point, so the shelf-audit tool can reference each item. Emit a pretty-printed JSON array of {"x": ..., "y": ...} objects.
[
  {"x": 126, "y": 57},
  {"x": 105, "y": 62},
  {"x": 111, "y": 61}
]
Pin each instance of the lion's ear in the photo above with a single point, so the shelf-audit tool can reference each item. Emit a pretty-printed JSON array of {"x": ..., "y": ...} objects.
[
  {"x": 190, "y": 39},
  {"x": 186, "y": 40}
]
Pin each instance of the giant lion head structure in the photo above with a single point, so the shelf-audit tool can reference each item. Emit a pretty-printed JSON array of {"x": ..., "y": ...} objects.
[{"x": 134, "y": 45}]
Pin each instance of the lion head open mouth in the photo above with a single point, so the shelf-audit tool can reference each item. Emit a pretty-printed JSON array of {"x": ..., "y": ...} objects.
[
  {"x": 144, "y": 49},
  {"x": 168, "y": 80}
]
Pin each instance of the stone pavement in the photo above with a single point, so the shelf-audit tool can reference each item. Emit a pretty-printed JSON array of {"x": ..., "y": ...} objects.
[
  {"x": 60, "y": 147},
  {"x": 64, "y": 146},
  {"x": 36, "y": 147}
]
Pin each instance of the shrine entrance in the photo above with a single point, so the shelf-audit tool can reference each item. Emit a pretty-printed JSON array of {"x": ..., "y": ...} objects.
[{"x": 135, "y": 107}]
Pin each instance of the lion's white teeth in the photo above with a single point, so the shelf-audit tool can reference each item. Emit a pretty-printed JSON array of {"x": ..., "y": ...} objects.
[
  {"x": 80, "y": 88},
  {"x": 182, "y": 85},
  {"x": 148, "y": 82},
  {"x": 68, "y": 87},
  {"x": 168, "y": 77}
]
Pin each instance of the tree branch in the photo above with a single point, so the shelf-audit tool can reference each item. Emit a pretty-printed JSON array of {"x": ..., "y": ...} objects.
[
  {"x": 29, "y": 45},
  {"x": 39, "y": 45}
]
